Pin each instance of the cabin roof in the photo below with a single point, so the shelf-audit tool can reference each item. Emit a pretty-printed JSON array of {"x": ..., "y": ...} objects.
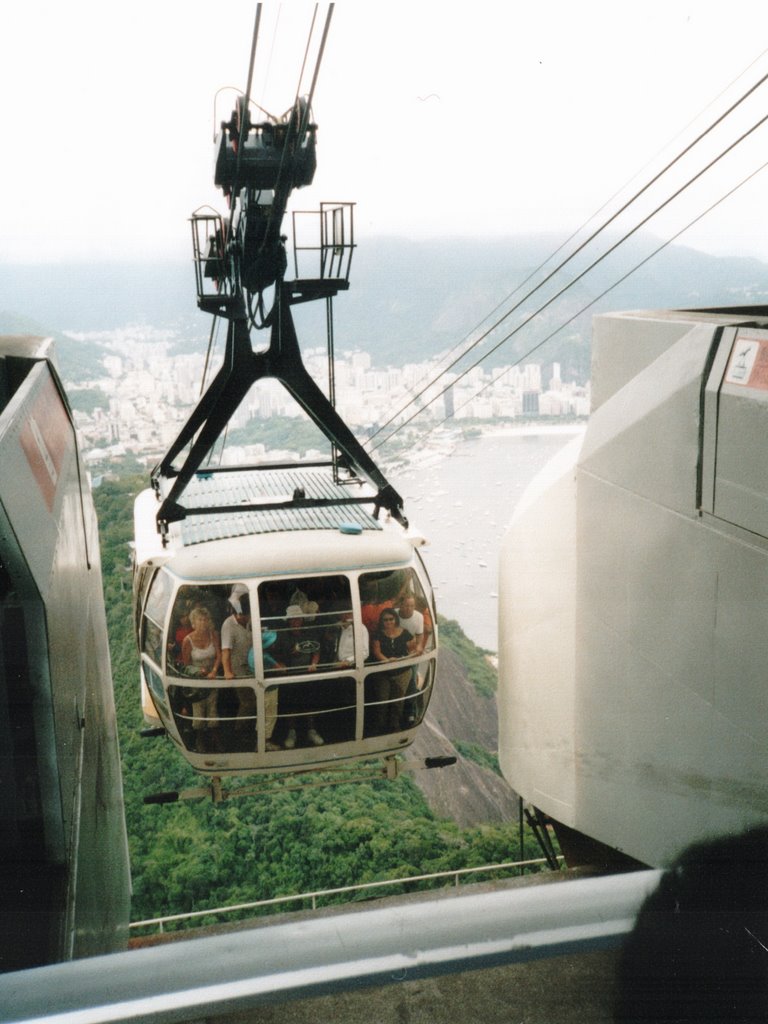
[
  {"x": 312, "y": 536},
  {"x": 243, "y": 487},
  {"x": 299, "y": 553}
]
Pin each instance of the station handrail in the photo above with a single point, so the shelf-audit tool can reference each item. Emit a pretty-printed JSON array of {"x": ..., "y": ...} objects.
[{"x": 456, "y": 873}]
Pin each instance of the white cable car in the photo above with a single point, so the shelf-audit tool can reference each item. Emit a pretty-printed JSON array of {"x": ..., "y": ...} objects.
[
  {"x": 278, "y": 640},
  {"x": 281, "y": 624}
]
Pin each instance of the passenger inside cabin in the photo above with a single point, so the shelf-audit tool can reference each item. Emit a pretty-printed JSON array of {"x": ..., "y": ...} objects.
[
  {"x": 237, "y": 659},
  {"x": 413, "y": 622},
  {"x": 201, "y": 648},
  {"x": 182, "y": 628},
  {"x": 429, "y": 629},
  {"x": 341, "y": 641},
  {"x": 268, "y": 638},
  {"x": 391, "y": 642},
  {"x": 201, "y": 659},
  {"x": 370, "y": 612},
  {"x": 237, "y": 637},
  {"x": 298, "y": 649},
  {"x": 272, "y": 602},
  {"x": 380, "y": 591}
]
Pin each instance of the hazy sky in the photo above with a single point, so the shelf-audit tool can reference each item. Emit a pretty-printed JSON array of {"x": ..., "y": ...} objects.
[{"x": 487, "y": 118}]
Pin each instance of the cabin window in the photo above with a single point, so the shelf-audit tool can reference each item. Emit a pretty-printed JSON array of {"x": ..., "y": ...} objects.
[
  {"x": 314, "y": 713},
  {"x": 141, "y": 579},
  {"x": 194, "y": 647},
  {"x": 397, "y": 590},
  {"x": 154, "y": 616},
  {"x": 159, "y": 596},
  {"x": 307, "y": 625},
  {"x": 297, "y": 653},
  {"x": 397, "y": 699},
  {"x": 152, "y": 641},
  {"x": 155, "y": 686},
  {"x": 224, "y": 719},
  {"x": 216, "y": 719}
]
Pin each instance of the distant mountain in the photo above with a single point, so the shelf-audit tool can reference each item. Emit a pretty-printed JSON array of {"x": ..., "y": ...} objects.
[
  {"x": 408, "y": 299},
  {"x": 77, "y": 360},
  {"x": 98, "y": 296}
]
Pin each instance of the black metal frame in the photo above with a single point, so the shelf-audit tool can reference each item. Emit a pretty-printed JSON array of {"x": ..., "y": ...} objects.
[
  {"x": 241, "y": 368},
  {"x": 237, "y": 262}
]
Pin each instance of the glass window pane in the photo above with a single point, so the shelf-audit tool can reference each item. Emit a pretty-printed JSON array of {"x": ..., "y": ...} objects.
[
  {"x": 401, "y": 591},
  {"x": 418, "y": 693},
  {"x": 385, "y": 700},
  {"x": 155, "y": 686},
  {"x": 194, "y": 635},
  {"x": 305, "y": 624},
  {"x": 159, "y": 596},
  {"x": 152, "y": 640},
  {"x": 215, "y": 719},
  {"x": 322, "y": 709}
]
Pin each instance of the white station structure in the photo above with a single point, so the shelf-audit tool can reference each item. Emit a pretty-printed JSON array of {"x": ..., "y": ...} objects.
[{"x": 634, "y": 595}]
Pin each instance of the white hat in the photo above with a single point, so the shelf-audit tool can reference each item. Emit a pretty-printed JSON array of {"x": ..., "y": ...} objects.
[
  {"x": 234, "y": 598},
  {"x": 294, "y": 611}
]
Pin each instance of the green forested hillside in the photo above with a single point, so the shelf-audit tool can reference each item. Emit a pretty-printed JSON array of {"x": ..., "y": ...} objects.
[
  {"x": 295, "y": 432},
  {"x": 76, "y": 360},
  {"x": 197, "y": 855}
]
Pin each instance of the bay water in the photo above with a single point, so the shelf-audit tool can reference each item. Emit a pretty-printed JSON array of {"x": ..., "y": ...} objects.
[{"x": 462, "y": 502}]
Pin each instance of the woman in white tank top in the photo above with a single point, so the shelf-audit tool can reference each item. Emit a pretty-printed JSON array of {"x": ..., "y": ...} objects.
[{"x": 201, "y": 658}]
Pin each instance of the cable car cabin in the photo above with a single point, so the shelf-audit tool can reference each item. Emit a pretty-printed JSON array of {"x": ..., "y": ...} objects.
[{"x": 278, "y": 640}]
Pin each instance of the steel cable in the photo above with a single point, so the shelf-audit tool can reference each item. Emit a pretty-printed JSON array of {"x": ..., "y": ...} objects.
[
  {"x": 583, "y": 273},
  {"x": 575, "y": 252},
  {"x": 602, "y": 294}
]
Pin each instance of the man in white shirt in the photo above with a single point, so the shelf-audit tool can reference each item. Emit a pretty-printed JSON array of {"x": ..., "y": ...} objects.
[
  {"x": 413, "y": 621},
  {"x": 237, "y": 639},
  {"x": 345, "y": 647},
  {"x": 236, "y": 644}
]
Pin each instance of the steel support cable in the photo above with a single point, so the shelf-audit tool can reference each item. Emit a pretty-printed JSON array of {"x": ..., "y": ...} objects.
[
  {"x": 320, "y": 55},
  {"x": 579, "y": 249},
  {"x": 302, "y": 125},
  {"x": 602, "y": 294},
  {"x": 276, "y": 32},
  {"x": 244, "y": 115},
  {"x": 579, "y": 230},
  {"x": 579, "y": 276},
  {"x": 306, "y": 54},
  {"x": 212, "y": 335},
  {"x": 251, "y": 66}
]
